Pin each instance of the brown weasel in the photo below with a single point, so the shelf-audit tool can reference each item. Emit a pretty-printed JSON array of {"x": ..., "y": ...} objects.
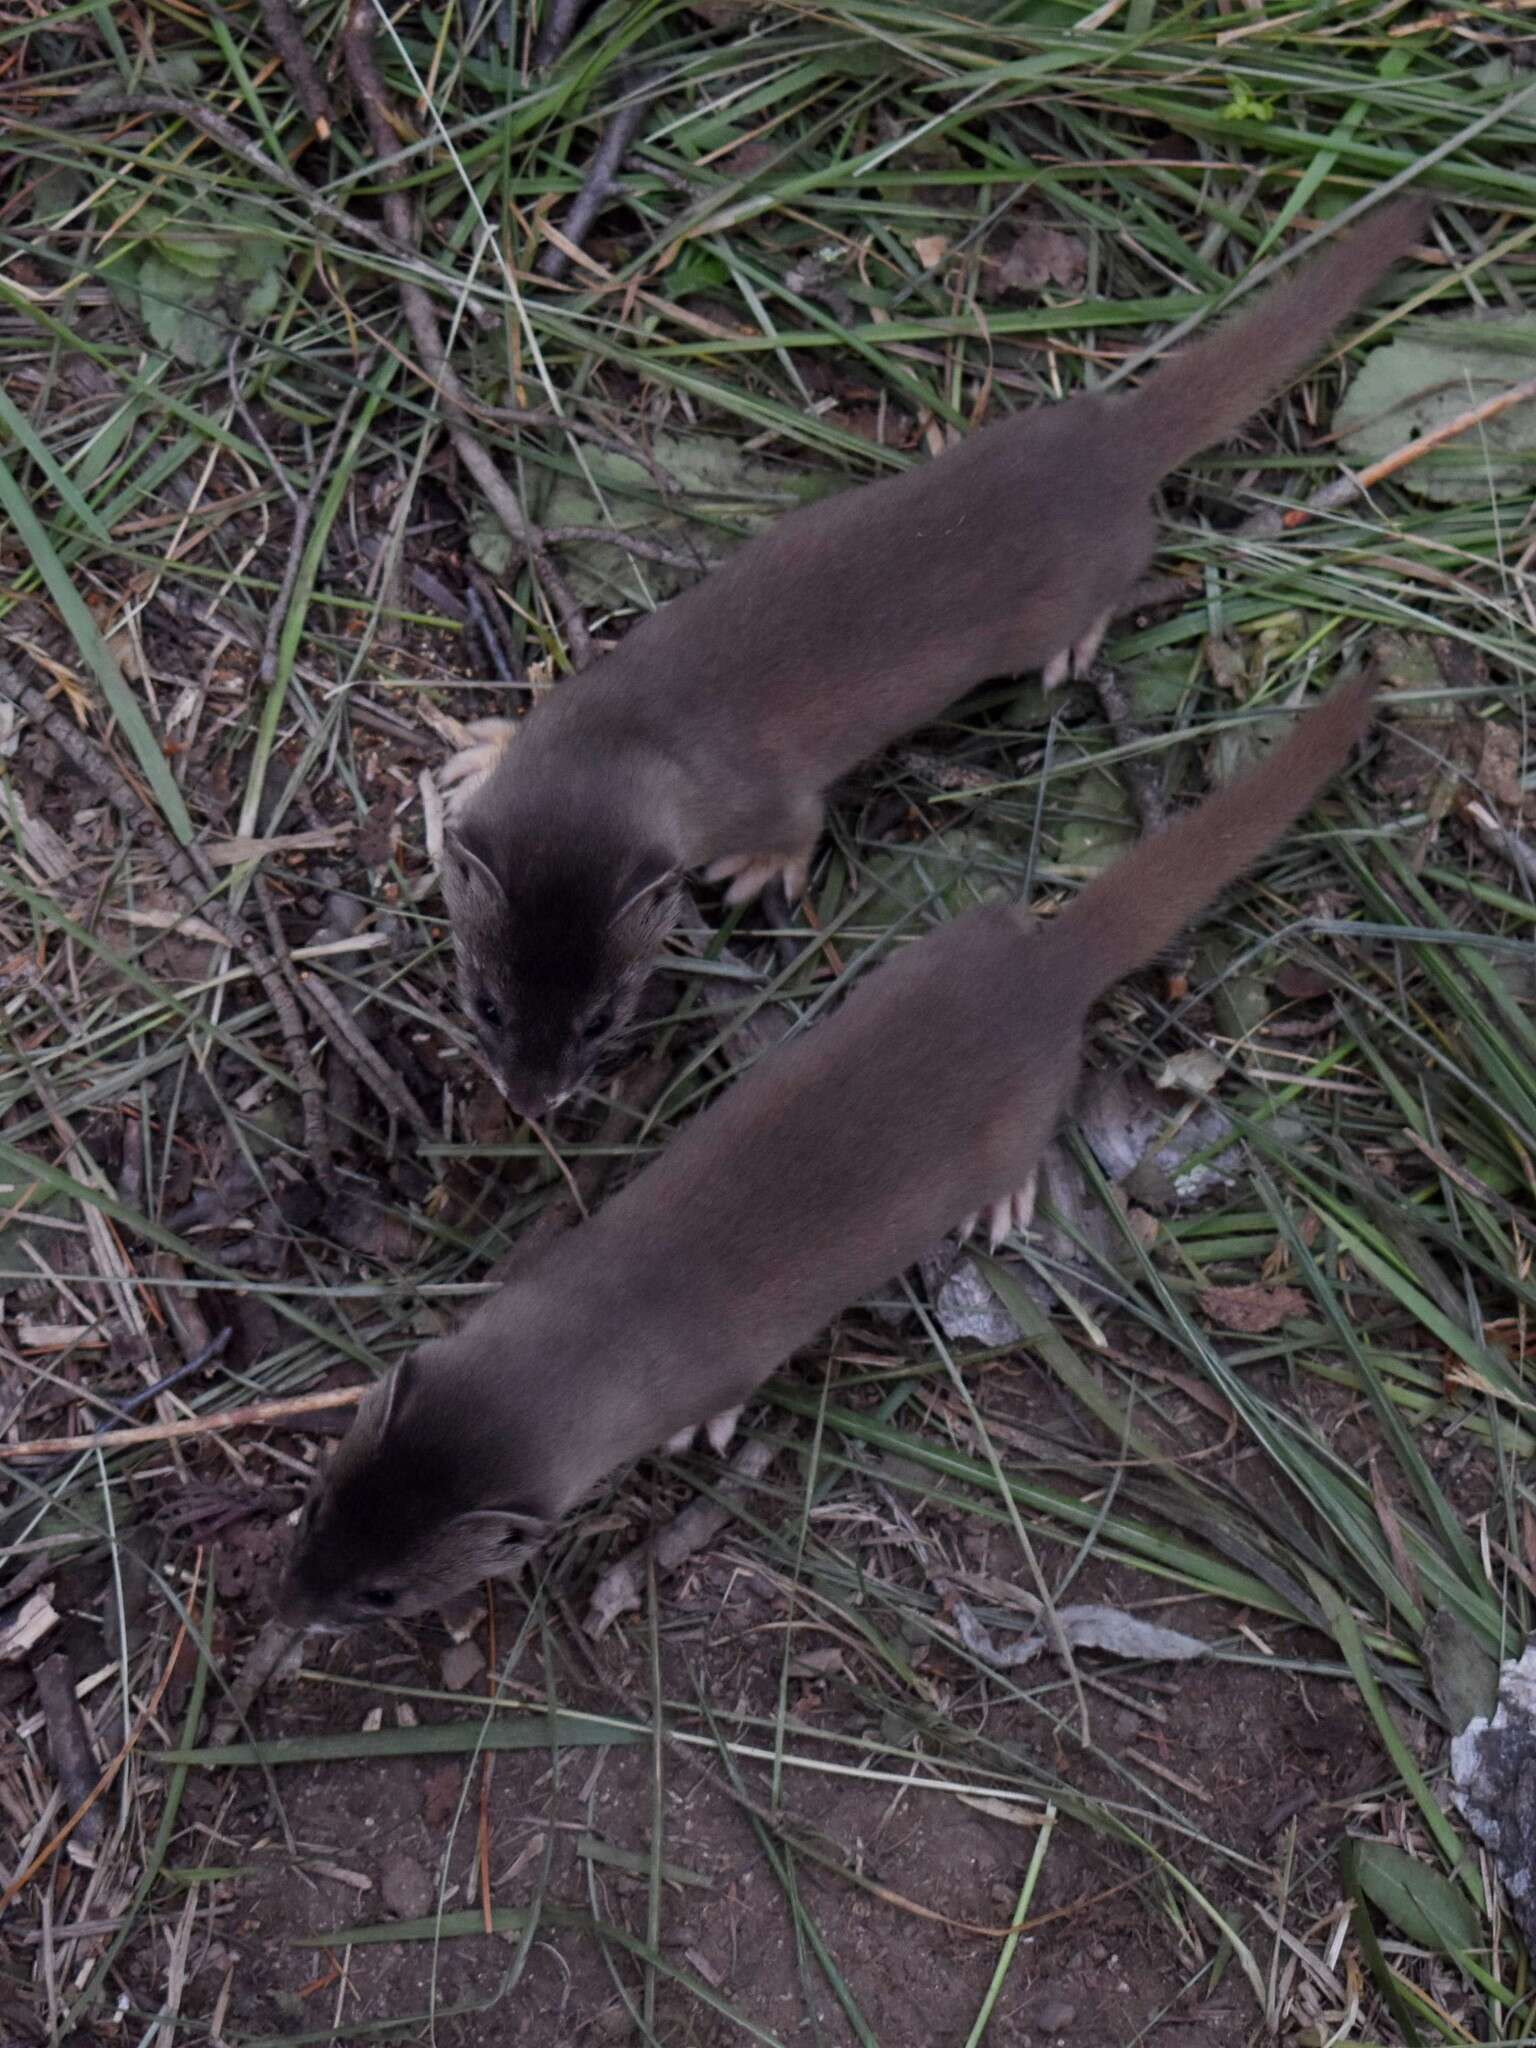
[
  {"x": 709, "y": 738},
  {"x": 840, "y": 1158}
]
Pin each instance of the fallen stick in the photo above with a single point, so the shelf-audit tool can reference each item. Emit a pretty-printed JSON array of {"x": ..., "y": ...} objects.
[
  {"x": 256, "y": 1413},
  {"x": 596, "y": 189},
  {"x": 289, "y": 44},
  {"x": 618, "y": 1590},
  {"x": 104, "y": 1782},
  {"x": 345, "y": 1033},
  {"x": 69, "y": 1742},
  {"x": 556, "y": 30}
]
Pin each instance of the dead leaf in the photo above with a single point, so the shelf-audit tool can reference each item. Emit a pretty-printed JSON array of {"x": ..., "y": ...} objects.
[
  {"x": 1228, "y": 670},
  {"x": 827, "y": 1663},
  {"x": 376, "y": 840},
  {"x": 1195, "y": 1072},
  {"x": 462, "y": 1665},
  {"x": 1497, "y": 773},
  {"x": 1039, "y": 256},
  {"x": 1300, "y": 984},
  {"x": 1440, "y": 762},
  {"x": 1254, "y": 1309},
  {"x": 24, "y": 1628},
  {"x": 930, "y": 249},
  {"x": 440, "y": 1791}
]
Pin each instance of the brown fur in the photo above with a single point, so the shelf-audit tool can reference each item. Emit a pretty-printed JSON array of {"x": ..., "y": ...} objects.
[
  {"x": 713, "y": 732},
  {"x": 840, "y": 1159}
]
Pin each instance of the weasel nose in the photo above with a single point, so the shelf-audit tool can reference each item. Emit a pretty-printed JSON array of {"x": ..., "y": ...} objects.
[{"x": 530, "y": 1102}]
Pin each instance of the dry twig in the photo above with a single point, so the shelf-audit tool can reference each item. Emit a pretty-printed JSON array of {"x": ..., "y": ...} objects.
[
  {"x": 555, "y": 31},
  {"x": 139, "y": 105},
  {"x": 56, "y": 1842},
  {"x": 618, "y": 1590},
  {"x": 1275, "y": 520},
  {"x": 69, "y": 1741},
  {"x": 344, "y": 1032},
  {"x": 1141, "y": 776},
  {"x": 317, "y": 1137},
  {"x": 596, "y": 188},
  {"x": 288, "y": 41},
  {"x": 357, "y": 50},
  {"x": 258, "y": 1412}
]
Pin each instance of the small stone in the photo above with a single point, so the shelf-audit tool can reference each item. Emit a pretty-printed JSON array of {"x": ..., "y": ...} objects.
[
  {"x": 406, "y": 1887},
  {"x": 462, "y": 1665},
  {"x": 1051, "y": 2013}
]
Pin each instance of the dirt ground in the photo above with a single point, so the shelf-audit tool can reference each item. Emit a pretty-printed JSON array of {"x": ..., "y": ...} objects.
[
  {"x": 1242, "y": 1750},
  {"x": 1235, "y": 1755}
]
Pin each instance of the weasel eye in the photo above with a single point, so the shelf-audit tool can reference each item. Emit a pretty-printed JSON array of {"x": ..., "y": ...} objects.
[
  {"x": 599, "y": 1022},
  {"x": 377, "y": 1596},
  {"x": 488, "y": 1011}
]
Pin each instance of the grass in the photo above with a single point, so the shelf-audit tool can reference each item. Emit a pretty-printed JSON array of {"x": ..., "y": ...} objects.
[{"x": 236, "y": 548}]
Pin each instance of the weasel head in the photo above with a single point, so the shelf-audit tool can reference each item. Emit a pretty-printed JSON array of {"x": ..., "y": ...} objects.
[
  {"x": 555, "y": 938},
  {"x": 393, "y": 1526}
]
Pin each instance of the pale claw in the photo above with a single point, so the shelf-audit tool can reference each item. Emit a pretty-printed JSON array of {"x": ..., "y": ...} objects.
[
  {"x": 1077, "y": 659},
  {"x": 1086, "y": 650},
  {"x": 473, "y": 766},
  {"x": 750, "y": 874},
  {"x": 794, "y": 876},
  {"x": 1011, "y": 1213},
  {"x": 751, "y": 881},
  {"x": 721, "y": 1428},
  {"x": 717, "y": 1433}
]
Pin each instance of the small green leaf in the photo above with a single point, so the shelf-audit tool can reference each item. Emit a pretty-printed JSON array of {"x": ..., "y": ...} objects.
[
  {"x": 256, "y": 256},
  {"x": 204, "y": 255},
  {"x": 1464, "y": 1677},
  {"x": 489, "y": 541},
  {"x": 163, "y": 294},
  {"x": 262, "y": 298},
  {"x": 1418, "y": 1900},
  {"x": 179, "y": 71},
  {"x": 55, "y": 192}
]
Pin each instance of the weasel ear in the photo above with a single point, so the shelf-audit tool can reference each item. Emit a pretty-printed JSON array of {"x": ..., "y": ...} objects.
[
  {"x": 468, "y": 882},
  {"x": 505, "y": 1538},
  {"x": 386, "y": 1402},
  {"x": 651, "y": 874}
]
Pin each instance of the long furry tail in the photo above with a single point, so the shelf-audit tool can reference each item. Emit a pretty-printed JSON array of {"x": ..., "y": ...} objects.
[
  {"x": 1205, "y": 392},
  {"x": 1144, "y": 901}
]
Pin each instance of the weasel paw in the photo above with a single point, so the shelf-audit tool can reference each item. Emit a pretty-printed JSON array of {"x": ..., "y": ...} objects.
[
  {"x": 749, "y": 874},
  {"x": 472, "y": 767},
  {"x": 1009, "y": 1213},
  {"x": 717, "y": 1433}
]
